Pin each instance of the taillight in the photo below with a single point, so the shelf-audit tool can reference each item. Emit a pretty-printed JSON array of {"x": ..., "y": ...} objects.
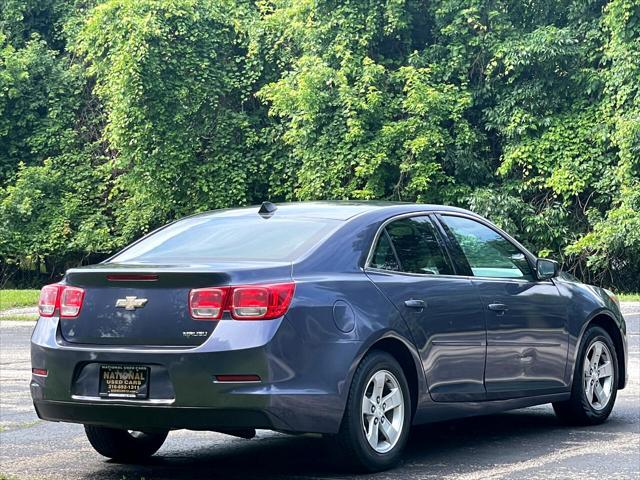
[
  {"x": 48, "y": 300},
  {"x": 247, "y": 302},
  {"x": 250, "y": 302},
  {"x": 71, "y": 301},
  {"x": 207, "y": 303},
  {"x": 67, "y": 299},
  {"x": 261, "y": 303}
]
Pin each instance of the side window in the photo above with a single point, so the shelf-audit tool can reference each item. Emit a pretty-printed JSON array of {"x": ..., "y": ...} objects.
[
  {"x": 489, "y": 254},
  {"x": 384, "y": 257},
  {"x": 417, "y": 247}
]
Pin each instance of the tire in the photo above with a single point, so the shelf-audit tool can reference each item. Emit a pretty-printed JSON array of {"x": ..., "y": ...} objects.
[
  {"x": 377, "y": 368},
  {"x": 122, "y": 445},
  {"x": 584, "y": 407}
]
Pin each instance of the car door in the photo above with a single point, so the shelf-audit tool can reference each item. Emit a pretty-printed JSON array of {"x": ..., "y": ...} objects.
[
  {"x": 444, "y": 313},
  {"x": 527, "y": 335}
]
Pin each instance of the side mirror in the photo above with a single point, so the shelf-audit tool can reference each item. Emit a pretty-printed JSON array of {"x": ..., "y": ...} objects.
[{"x": 546, "y": 269}]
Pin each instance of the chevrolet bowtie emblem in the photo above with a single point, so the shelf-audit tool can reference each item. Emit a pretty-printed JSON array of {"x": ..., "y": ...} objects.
[{"x": 131, "y": 303}]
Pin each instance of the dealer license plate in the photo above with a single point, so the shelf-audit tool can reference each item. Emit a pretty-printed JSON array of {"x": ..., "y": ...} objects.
[{"x": 124, "y": 381}]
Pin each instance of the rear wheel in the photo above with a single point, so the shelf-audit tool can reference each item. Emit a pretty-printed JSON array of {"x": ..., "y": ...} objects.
[
  {"x": 125, "y": 446},
  {"x": 376, "y": 423},
  {"x": 595, "y": 381}
]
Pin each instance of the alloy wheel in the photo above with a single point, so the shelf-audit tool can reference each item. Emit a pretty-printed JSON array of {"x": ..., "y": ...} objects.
[
  {"x": 598, "y": 375},
  {"x": 382, "y": 411}
]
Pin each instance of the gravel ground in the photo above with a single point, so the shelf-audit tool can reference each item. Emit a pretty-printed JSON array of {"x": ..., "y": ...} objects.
[{"x": 522, "y": 444}]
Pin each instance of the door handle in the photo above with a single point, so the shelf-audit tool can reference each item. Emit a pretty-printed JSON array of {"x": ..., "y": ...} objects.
[
  {"x": 415, "y": 303},
  {"x": 498, "y": 307}
]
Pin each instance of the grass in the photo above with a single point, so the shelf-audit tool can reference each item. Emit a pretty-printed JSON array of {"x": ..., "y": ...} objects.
[
  {"x": 19, "y": 318},
  {"x": 18, "y": 298},
  {"x": 19, "y": 426},
  {"x": 629, "y": 297}
]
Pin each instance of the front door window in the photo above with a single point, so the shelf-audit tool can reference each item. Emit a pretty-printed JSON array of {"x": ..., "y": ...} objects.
[{"x": 489, "y": 254}]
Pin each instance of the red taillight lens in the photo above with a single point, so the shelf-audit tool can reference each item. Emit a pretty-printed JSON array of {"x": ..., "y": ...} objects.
[
  {"x": 207, "y": 303},
  {"x": 71, "y": 301},
  {"x": 48, "y": 300},
  {"x": 250, "y": 302},
  {"x": 261, "y": 302},
  {"x": 247, "y": 302},
  {"x": 56, "y": 296}
]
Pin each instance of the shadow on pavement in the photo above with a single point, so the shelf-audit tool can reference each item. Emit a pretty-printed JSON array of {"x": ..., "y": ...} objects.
[{"x": 431, "y": 451}]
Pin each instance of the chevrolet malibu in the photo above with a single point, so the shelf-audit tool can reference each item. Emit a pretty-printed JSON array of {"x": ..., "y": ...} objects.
[{"x": 350, "y": 319}]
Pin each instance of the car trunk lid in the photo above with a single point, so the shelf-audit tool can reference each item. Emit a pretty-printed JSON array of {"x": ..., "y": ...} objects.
[{"x": 148, "y": 305}]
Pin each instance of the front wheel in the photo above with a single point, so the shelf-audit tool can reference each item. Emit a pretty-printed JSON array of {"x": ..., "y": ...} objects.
[
  {"x": 124, "y": 445},
  {"x": 376, "y": 423},
  {"x": 595, "y": 382}
]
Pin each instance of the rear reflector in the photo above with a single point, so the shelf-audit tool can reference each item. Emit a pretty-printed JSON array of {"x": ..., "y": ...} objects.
[
  {"x": 237, "y": 378},
  {"x": 60, "y": 297},
  {"x": 41, "y": 372},
  {"x": 247, "y": 302}
]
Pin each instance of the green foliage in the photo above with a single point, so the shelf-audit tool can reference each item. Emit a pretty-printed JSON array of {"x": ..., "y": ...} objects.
[
  {"x": 612, "y": 246},
  {"x": 117, "y": 116},
  {"x": 366, "y": 118},
  {"x": 59, "y": 214},
  {"x": 170, "y": 76},
  {"x": 22, "y": 20},
  {"x": 39, "y": 95}
]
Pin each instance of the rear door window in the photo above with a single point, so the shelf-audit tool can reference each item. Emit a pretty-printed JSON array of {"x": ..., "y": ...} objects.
[
  {"x": 384, "y": 257},
  {"x": 416, "y": 246}
]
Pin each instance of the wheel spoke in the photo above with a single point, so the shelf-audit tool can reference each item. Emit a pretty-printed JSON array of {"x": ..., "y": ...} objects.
[
  {"x": 597, "y": 353},
  {"x": 367, "y": 405},
  {"x": 372, "y": 433},
  {"x": 605, "y": 370},
  {"x": 589, "y": 391},
  {"x": 378, "y": 386},
  {"x": 392, "y": 400},
  {"x": 389, "y": 431},
  {"x": 600, "y": 394}
]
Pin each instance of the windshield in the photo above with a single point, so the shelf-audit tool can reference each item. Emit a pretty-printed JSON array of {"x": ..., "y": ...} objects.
[{"x": 204, "y": 238}]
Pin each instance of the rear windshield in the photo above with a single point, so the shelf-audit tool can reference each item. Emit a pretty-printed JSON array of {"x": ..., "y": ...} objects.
[{"x": 230, "y": 238}]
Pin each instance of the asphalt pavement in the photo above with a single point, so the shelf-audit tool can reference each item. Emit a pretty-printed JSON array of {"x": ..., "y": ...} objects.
[{"x": 522, "y": 444}]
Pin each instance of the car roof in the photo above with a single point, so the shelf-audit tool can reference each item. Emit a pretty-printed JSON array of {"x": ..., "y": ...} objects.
[{"x": 334, "y": 209}]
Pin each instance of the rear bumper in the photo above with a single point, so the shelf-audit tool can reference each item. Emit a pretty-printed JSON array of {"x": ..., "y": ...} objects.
[
  {"x": 302, "y": 387},
  {"x": 150, "y": 417}
]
